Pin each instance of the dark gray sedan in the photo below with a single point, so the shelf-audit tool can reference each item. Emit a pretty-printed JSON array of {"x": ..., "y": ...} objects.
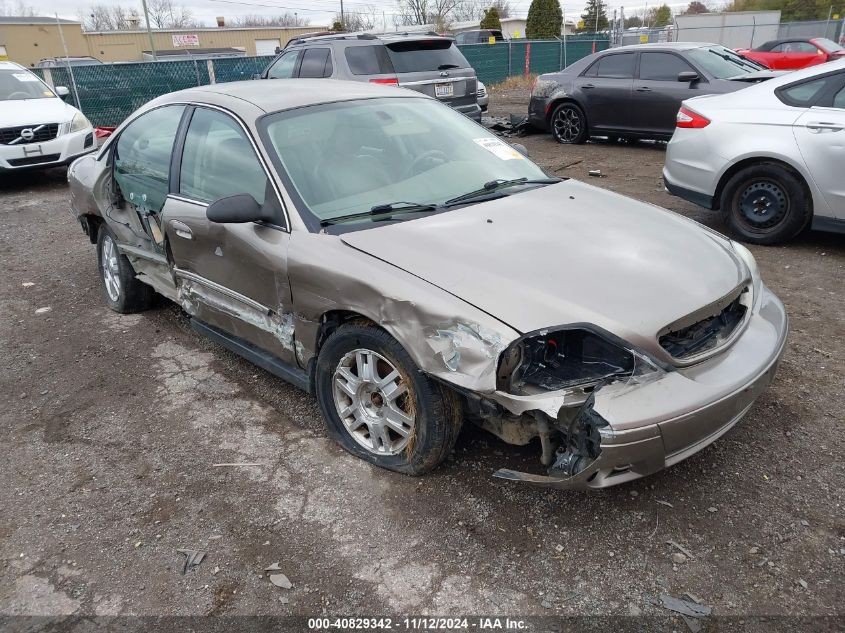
[{"x": 635, "y": 91}]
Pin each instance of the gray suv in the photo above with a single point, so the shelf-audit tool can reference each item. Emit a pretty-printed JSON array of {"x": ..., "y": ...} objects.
[{"x": 426, "y": 63}]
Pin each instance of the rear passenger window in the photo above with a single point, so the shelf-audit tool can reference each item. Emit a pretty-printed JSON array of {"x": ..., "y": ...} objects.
[
  {"x": 315, "y": 62},
  {"x": 616, "y": 66},
  {"x": 368, "y": 60},
  {"x": 662, "y": 66},
  {"x": 218, "y": 160},
  {"x": 805, "y": 94}
]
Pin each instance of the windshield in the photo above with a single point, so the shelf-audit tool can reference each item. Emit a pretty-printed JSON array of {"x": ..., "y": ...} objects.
[
  {"x": 722, "y": 62},
  {"x": 346, "y": 158},
  {"x": 425, "y": 55},
  {"x": 16, "y": 85},
  {"x": 828, "y": 45}
]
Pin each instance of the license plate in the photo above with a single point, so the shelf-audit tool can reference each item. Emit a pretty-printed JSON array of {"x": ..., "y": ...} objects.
[{"x": 443, "y": 91}]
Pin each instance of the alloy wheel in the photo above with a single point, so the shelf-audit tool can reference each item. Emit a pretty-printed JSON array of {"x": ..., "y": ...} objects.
[
  {"x": 567, "y": 124},
  {"x": 374, "y": 402},
  {"x": 111, "y": 272}
]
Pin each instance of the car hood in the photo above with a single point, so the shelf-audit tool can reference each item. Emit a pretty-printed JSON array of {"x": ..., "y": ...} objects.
[
  {"x": 758, "y": 75},
  {"x": 35, "y": 112},
  {"x": 565, "y": 253}
]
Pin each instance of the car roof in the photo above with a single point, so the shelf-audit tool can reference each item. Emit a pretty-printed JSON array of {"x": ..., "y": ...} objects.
[
  {"x": 282, "y": 94},
  {"x": 765, "y": 46},
  {"x": 670, "y": 46},
  {"x": 11, "y": 66},
  {"x": 382, "y": 37}
]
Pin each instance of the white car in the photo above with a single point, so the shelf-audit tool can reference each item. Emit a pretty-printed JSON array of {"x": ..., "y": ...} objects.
[
  {"x": 38, "y": 128},
  {"x": 771, "y": 157}
]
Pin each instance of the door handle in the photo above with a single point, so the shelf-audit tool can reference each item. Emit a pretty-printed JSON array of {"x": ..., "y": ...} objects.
[
  {"x": 182, "y": 230},
  {"x": 818, "y": 126},
  {"x": 588, "y": 86},
  {"x": 643, "y": 89}
]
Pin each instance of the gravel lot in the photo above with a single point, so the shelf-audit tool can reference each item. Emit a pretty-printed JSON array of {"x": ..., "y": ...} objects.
[{"x": 111, "y": 426}]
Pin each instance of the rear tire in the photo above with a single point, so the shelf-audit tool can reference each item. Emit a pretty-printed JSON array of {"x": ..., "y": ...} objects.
[
  {"x": 766, "y": 204},
  {"x": 568, "y": 124},
  {"x": 122, "y": 292},
  {"x": 360, "y": 371}
]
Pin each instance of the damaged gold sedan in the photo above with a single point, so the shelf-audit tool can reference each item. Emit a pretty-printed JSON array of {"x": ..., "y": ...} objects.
[{"x": 376, "y": 248}]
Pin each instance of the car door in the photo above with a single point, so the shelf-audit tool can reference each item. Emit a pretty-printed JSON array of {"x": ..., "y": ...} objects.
[
  {"x": 140, "y": 159},
  {"x": 605, "y": 89},
  {"x": 231, "y": 276},
  {"x": 285, "y": 67},
  {"x": 820, "y": 134},
  {"x": 794, "y": 55},
  {"x": 657, "y": 93}
]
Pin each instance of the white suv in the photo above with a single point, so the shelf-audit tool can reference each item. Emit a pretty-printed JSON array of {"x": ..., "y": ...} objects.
[{"x": 37, "y": 128}]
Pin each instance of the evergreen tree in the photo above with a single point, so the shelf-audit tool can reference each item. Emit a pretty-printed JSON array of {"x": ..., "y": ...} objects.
[
  {"x": 662, "y": 15},
  {"x": 545, "y": 19},
  {"x": 491, "y": 20},
  {"x": 595, "y": 16}
]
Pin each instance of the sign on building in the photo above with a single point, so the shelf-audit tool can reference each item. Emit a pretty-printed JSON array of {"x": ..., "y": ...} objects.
[{"x": 186, "y": 39}]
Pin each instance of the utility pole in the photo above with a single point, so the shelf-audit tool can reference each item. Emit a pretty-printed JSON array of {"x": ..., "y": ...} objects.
[
  {"x": 342, "y": 19},
  {"x": 149, "y": 31}
]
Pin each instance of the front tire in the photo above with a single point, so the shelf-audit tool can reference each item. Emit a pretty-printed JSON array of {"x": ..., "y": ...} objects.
[
  {"x": 379, "y": 406},
  {"x": 766, "y": 204},
  {"x": 569, "y": 124},
  {"x": 122, "y": 292}
]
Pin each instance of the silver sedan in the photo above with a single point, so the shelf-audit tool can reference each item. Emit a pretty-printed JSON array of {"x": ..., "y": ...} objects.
[
  {"x": 771, "y": 157},
  {"x": 387, "y": 254}
]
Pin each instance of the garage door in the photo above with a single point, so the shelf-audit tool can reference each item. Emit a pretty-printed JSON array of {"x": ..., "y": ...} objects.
[{"x": 266, "y": 47}]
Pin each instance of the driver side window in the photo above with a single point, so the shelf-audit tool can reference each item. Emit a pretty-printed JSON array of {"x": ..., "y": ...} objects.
[
  {"x": 283, "y": 69},
  {"x": 142, "y": 157}
]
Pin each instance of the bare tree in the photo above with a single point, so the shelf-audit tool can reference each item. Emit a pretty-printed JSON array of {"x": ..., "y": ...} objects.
[
  {"x": 283, "y": 19},
  {"x": 411, "y": 12},
  {"x": 362, "y": 19},
  {"x": 165, "y": 14},
  {"x": 19, "y": 8},
  {"x": 104, "y": 17}
]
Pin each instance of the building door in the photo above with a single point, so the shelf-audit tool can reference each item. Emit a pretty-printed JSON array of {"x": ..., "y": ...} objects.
[{"x": 266, "y": 47}]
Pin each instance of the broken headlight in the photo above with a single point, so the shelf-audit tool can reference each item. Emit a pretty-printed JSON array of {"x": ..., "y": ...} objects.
[{"x": 559, "y": 359}]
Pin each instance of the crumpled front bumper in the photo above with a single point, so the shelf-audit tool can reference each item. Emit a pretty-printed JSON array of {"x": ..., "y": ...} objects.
[{"x": 657, "y": 424}]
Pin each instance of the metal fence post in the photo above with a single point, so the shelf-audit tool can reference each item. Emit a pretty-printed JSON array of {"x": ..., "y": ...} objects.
[
  {"x": 510, "y": 50},
  {"x": 48, "y": 78},
  {"x": 211, "y": 77}
]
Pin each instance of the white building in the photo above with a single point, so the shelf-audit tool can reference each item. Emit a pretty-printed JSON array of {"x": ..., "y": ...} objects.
[{"x": 512, "y": 28}]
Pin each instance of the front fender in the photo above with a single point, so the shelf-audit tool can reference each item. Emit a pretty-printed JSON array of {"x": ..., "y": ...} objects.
[{"x": 446, "y": 337}]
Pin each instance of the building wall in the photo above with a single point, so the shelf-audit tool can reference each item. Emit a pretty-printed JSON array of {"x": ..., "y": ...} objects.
[{"x": 27, "y": 44}]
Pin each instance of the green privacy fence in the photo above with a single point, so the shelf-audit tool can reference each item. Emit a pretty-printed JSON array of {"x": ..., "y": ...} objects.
[
  {"x": 496, "y": 62},
  {"x": 108, "y": 93}
]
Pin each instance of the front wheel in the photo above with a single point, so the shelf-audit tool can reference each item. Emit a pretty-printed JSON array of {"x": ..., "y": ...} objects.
[
  {"x": 766, "y": 204},
  {"x": 121, "y": 290},
  {"x": 569, "y": 124},
  {"x": 379, "y": 406}
]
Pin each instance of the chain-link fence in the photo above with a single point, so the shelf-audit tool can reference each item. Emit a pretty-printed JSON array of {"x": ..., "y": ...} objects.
[{"x": 108, "y": 93}]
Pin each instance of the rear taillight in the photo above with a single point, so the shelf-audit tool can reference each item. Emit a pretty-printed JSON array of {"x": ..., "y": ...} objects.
[
  {"x": 690, "y": 119},
  {"x": 391, "y": 81}
]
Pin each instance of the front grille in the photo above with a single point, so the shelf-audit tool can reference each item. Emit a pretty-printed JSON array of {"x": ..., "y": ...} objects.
[
  {"x": 707, "y": 334},
  {"x": 33, "y": 160},
  {"x": 40, "y": 133}
]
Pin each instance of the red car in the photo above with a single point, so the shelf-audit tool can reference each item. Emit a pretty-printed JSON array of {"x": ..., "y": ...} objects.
[{"x": 790, "y": 54}]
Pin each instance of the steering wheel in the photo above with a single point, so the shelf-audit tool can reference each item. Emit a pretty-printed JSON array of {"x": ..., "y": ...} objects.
[
  {"x": 19, "y": 95},
  {"x": 434, "y": 156}
]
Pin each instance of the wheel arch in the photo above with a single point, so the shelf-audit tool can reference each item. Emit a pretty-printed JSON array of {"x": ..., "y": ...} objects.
[
  {"x": 91, "y": 226},
  {"x": 751, "y": 161},
  {"x": 558, "y": 100}
]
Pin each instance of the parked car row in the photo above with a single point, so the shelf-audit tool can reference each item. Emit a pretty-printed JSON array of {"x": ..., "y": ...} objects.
[{"x": 764, "y": 147}]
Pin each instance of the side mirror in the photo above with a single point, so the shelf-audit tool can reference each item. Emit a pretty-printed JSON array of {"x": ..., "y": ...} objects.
[
  {"x": 62, "y": 92},
  {"x": 519, "y": 147},
  {"x": 688, "y": 76},
  {"x": 256, "y": 75},
  {"x": 237, "y": 209}
]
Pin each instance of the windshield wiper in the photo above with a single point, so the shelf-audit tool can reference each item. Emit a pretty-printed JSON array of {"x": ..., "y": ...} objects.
[
  {"x": 381, "y": 212},
  {"x": 494, "y": 186}
]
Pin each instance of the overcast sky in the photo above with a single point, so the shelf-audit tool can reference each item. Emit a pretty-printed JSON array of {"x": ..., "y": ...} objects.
[{"x": 317, "y": 12}]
